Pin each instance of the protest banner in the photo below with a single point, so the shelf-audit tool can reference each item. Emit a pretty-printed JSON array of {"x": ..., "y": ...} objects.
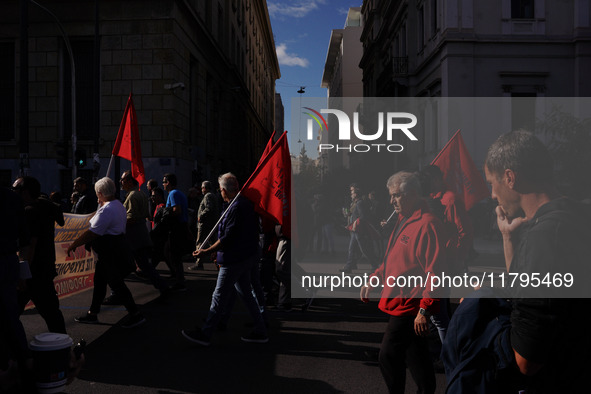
[{"x": 74, "y": 273}]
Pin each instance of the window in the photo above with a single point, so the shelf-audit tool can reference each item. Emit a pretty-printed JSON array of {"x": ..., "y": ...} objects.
[
  {"x": 83, "y": 61},
  {"x": 421, "y": 27},
  {"x": 7, "y": 92},
  {"x": 522, "y": 9},
  {"x": 221, "y": 25},
  {"x": 433, "y": 17}
]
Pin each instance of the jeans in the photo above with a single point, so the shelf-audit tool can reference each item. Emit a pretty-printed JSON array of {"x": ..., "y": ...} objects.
[
  {"x": 441, "y": 318},
  {"x": 236, "y": 275},
  {"x": 402, "y": 348},
  {"x": 358, "y": 246},
  {"x": 283, "y": 271}
]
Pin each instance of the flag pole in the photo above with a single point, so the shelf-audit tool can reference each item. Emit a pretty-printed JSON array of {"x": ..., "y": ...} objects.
[
  {"x": 443, "y": 149},
  {"x": 110, "y": 165},
  {"x": 218, "y": 222},
  {"x": 261, "y": 163}
]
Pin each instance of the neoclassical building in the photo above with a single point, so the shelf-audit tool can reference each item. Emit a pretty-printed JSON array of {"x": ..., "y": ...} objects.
[{"x": 471, "y": 48}]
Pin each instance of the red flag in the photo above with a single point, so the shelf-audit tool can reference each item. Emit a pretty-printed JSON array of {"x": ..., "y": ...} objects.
[
  {"x": 128, "y": 144},
  {"x": 267, "y": 148},
  {"x": 269, "y": 186},
  {"x": 459, "y": 172}
]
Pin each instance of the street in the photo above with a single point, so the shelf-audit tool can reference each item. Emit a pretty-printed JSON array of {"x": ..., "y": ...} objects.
[{"x": 331, "y": 348}]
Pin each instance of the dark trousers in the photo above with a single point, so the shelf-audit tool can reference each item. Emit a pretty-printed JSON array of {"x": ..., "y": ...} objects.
[
  {"x": 402, "y": 348},
  {"x": 142, "y": 259},
  {"x": 108, "y": 272},
  {"x": 13, "y": 340},
  {"x": 42, "y": 292}
]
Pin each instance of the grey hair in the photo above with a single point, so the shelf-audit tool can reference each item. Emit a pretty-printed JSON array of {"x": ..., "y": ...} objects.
[
  {"x": 406, "y": 180},
  {"x": 522, "y": 152},
  {"x": 229, "y": 182},
  {"x": 106, "y": 187},
  {"x": 207, "y": 186}
]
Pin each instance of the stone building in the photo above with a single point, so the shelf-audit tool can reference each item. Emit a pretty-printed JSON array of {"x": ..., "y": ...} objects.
[
  {"x": 202, "y": 74},
  {"x": 470, "y": 48},
  {"x": 342, "y": 77}
]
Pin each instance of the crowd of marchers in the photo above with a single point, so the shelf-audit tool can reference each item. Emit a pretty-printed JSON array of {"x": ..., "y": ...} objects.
[{"x": 492, "y": 343}]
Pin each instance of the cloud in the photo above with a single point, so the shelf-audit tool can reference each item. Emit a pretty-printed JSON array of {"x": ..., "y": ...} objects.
[
  {"x": 297, "y": 10},
  {"x": 290, "y": 59}
]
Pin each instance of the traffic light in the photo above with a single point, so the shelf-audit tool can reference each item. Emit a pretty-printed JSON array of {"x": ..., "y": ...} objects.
[
  {"x": 61, "y": 151},
  {"x": 80, "y": 158}
]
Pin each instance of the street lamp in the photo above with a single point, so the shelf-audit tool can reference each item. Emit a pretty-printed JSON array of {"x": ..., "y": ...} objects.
[{"x": 301, "y": 91}]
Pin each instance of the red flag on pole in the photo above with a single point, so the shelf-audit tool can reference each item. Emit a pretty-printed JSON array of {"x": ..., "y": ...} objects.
[
  {"x": 267, "y": 148},
  {"x": 269, "y": 186},
  {"x": 128, "y": 144},
  {"x": 460, "y": 173}
]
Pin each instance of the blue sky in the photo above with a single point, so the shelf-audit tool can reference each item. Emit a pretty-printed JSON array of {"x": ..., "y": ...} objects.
[{"x": 302, "y": 31}]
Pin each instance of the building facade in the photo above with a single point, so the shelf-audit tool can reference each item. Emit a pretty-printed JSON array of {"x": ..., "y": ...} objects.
[
  {"x": 470, "y": 48},
  {"x": 202, "y": 74},
  {"x": 342, "y": 77}
]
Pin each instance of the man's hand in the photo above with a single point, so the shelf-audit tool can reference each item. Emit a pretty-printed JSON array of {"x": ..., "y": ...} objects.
[
  {"x": 507, "y": 225},
  {"x": 364, "y": 293},
  {"x": 421, "y": 325},
  {"x": 71, "y": 248}
]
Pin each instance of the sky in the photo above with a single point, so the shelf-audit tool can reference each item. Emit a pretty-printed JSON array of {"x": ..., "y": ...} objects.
[{"x": 301, "y": 31}]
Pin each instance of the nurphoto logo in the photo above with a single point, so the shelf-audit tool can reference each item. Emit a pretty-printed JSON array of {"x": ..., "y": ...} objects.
[{"x": 395, "y": 122}]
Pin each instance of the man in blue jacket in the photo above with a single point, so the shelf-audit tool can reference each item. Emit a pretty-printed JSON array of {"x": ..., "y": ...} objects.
[{"x": 237, "y": 250}]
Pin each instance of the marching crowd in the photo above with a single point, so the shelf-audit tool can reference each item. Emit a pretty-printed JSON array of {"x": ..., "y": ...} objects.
[{"x": 517, "y": 343}]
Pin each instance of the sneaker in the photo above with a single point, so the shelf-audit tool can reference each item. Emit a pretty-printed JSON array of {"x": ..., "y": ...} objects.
[
  {"x": 255, "y": 338},
  {"x": 89, "y": 318},
  {"x": 131, "y": 321},
  {"x": 196, "y": 267},
  {"x": 113, "y": 300},
  {"x": 178, "y": 287},
  {"x": 196, "y": 336}
]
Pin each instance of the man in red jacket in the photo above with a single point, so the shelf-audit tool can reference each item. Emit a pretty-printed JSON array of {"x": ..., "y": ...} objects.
[{"x": 415, "y": 253}]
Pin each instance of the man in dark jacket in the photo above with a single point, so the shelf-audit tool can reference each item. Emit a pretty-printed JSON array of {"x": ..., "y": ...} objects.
[
  {"x": 545, "y": 236},
  {"x": 41, "y": 216},
  {"x": 87, "y": 202},
  {"x": 237, "y": 250}
]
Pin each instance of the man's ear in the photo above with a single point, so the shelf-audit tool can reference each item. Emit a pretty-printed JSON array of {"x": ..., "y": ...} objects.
[{"x": 510, "y": 178}]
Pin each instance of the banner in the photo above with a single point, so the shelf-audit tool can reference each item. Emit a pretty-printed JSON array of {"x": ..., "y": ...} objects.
[
  {"x": 269, "y": 186},
  {"x": 74, "y": 273},
  {"x": 460, "y": 173},
  {"x": 128, "y": 144}
]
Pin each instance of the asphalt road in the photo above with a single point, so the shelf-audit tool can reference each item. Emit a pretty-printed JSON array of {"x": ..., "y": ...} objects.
[{"x": 328, "y": 349}]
